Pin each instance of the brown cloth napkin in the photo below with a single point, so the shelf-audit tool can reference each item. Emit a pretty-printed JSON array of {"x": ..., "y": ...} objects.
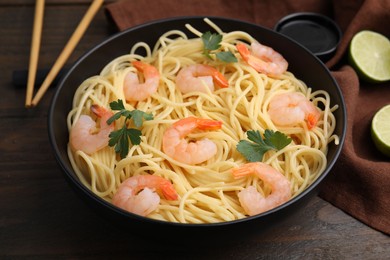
[{"x": 360, "y": 181}]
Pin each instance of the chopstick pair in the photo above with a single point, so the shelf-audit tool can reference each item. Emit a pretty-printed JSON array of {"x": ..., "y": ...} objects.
[{"x": 62, "y": 58}]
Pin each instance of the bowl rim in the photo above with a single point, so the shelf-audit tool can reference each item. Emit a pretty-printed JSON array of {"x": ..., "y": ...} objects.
[{"x": 71, "y": 176}]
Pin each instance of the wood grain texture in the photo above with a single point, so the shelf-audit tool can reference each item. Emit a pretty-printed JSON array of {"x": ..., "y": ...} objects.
[{"x": 41, "y": 216}]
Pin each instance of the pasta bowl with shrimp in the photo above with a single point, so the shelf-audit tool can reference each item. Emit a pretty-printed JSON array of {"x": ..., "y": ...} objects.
[{"x": 194, "y": 125}]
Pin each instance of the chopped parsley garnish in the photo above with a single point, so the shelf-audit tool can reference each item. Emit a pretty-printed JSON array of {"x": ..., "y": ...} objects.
[
  {"x": 255, "y": 150},
  {"x": 212, "y": 42},
  {"x": 120, "y": 138},
  {"x": 226, "y": 56}
]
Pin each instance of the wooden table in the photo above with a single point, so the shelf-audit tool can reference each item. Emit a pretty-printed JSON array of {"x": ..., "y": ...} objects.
[{"x": 41, "y": 216}]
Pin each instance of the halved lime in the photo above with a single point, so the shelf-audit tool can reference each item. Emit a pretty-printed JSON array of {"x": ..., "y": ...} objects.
[
  {"x": 380, "y": 130},
  {"x": 369, "y": 55}
]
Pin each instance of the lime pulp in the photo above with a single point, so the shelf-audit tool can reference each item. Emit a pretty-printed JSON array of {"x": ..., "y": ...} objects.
[
  {"x": 369, "y": 55},
  {"x": 380, "y": 130}
]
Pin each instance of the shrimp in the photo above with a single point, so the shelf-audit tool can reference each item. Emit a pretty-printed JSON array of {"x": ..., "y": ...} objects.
[
  {"x": 86, "y": 137},
  {"x": 137, "y": 194},
  {"x": 136, "y": 91},
  {"x": 179, "y": 149},
  {"x": 263, "y": 59},
  {"x": 199, "y": 77},
  {"x": 290, "y": 109},
  {"x": 251, "y": 200}
]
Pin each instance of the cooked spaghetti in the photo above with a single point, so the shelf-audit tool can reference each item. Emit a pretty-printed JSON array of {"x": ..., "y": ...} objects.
[{"x": 207, "y": 191}]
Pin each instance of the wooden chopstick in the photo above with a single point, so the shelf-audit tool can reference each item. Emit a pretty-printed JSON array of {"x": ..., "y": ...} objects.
[
  {"x": 34, "y": 53},
  {"x": 68, "y": 49}
]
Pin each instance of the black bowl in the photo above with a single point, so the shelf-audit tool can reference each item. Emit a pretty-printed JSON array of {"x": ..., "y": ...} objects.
[{"x": 302, "y": 63}]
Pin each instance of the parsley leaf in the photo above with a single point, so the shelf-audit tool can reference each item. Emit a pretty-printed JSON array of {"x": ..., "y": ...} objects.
[
  {"x": 255, "y": 150},
  {"x": 117, "y": 105},
  {"x": 120, "y": 138},
  {"x": 138, "y": 117},
  {"x": 211, "y": 43},
  {"x": 226, "y": 56},
  {"x": 251, "y": 151},
  {"x": 277, "y": 139}
]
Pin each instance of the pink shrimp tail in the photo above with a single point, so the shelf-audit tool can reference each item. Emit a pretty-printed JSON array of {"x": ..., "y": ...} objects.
[
  {"x": 254, "y": 62},
  {"x": 220, "y": 79},
  {"x": 160, "y": 184},
  {"x": 200, "y": 123},
  {"x": 163, "y": 186},
  {"x": 243, "y": 50},
  {"x": 169, "y": 191},
  {"x": 139, "y": 65},
  {"x": 146, "y": 69},
  {"x": 98, "y": 110},
  {"x": 242, "y": 171},
  {"x": 312, "y": 120},
  {"x": 208, "y": 124},
  {"x": 103, "y": 113}
]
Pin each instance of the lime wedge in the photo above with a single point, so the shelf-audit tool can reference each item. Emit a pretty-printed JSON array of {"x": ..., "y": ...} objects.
[
  {"x": 369, "y": 55},
  {"x": 380, "y": 130}
]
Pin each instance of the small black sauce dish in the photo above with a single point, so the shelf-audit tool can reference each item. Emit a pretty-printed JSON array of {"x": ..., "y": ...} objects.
[{"x": 318, "y": 33}]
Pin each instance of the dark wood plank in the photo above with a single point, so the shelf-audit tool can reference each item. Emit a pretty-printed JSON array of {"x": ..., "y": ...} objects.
[{"x": 59, "y": 24}]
